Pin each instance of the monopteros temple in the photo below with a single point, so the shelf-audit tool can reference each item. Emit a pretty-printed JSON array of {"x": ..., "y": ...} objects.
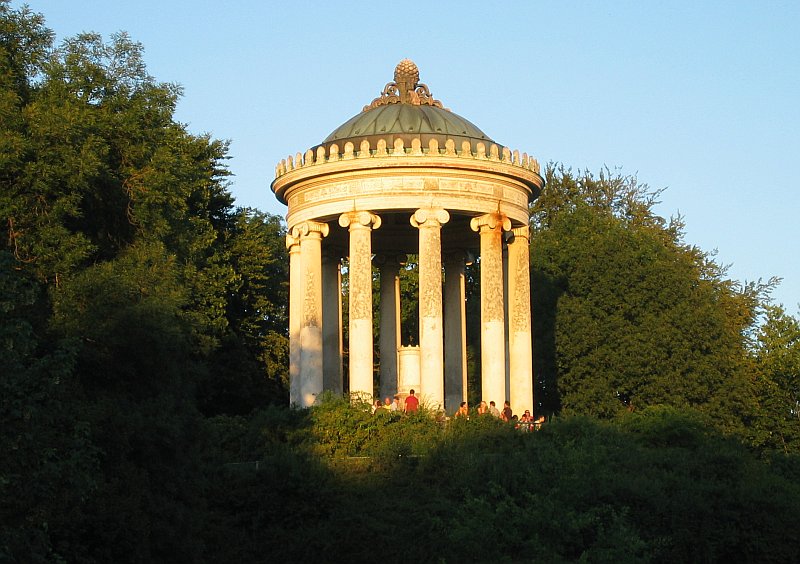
[{"x": 407, "y": 176}]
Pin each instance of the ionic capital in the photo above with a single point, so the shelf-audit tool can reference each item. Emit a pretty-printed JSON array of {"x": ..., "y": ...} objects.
[
  {"x": 309, "y": 228},
  {"x": 292, "y": 243},
  {"x": 430, "y": 217},
  {"x": 490, "y": 221},
  {"x": 523, "y": 232},
  {"x": 359, "y": 219}
]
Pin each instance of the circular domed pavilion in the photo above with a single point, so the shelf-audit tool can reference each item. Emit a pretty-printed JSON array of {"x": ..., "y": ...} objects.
[{"x": 407, "y": 176}]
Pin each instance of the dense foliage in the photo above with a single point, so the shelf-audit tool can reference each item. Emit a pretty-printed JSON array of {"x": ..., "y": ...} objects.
[
  {"x": 652, "y": 486},
  {"x": 627, "y": 315},
  {"x": 134, "y": 299},
  {"x": 143, "y": 366},
  {"x": 777, "y": 388}
]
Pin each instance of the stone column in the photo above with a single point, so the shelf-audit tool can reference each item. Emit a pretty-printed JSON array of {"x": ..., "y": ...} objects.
[
  {"x": 389, "y": 265},
  {"x": 455, "y": 330},
  {"x": 310, "y": 234},
  {"x": 360, "y": 224},
  {"x": 493, "y": 357},
  {"x": 429, "y": 221},
  {"x": 519, "y": 323},
  {"x": 505, "y": 238},
  {"x": 295, "y": 307},
  {"x": 332, "y": 320}
]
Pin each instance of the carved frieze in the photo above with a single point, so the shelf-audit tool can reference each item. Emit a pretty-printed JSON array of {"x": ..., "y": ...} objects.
[
  {"x": 311, "y": 309},
  {"x": 491, "y": 227},
  {"x": 360, "y": 225},
  {"x": 520, "y": 270},
  {"x": 429, "y": 221}
]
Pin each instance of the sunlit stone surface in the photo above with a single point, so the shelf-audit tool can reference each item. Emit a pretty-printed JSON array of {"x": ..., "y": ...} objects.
[{"x": 407, "y": 176}]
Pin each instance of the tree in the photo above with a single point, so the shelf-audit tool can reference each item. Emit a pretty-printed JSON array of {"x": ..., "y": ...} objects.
[
  {"x": 625, "y": 314},
  {"x": 49, "y": 465},
  {"x": 125, "y": 277},
  {"x": 134, "y": 385},
  {"x": 777, "y": 367},
  {"x": 250, "y": 367}
]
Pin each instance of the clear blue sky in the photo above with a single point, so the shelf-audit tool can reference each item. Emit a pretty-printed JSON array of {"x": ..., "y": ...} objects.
[{"x": 700, "y": 98}]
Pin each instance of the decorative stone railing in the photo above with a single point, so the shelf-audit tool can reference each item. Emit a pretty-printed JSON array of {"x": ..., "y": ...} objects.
[{"x": 495, "y": 153}]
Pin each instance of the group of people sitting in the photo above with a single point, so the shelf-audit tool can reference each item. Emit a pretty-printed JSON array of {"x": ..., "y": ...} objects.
[
  {"x": 411, "y": 404},
  {"x": 525, "y": 423},
  {"x": 528, "y": 423}
]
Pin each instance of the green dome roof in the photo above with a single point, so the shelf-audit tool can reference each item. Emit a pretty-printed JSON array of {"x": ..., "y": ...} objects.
[
  {"x": 405, "y": 109},
  {"x": 408, "y": 120}
]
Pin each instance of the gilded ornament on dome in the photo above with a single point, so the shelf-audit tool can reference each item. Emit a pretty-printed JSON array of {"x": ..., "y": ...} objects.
[{"x": 405, "y": 89}]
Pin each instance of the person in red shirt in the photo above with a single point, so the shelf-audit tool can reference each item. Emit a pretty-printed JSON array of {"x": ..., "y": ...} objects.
[{"x": 412, "y": 403}]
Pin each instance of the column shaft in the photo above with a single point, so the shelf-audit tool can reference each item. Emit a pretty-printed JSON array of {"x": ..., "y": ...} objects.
[
  {"x": 360, "y": 225},
  {"x": 310, "y": 234},
  {"x": 505, "y": 315},
  {"x": 455, "y": 333},
  {"x": 390, "y": 323},
  {"x": 431, "y": 331},
  {"x": 332, "y": 321},
  {"x": 519, "y": 323},
  {"x": 295, "y": 314},
  {"x": 493, "y": 358}
]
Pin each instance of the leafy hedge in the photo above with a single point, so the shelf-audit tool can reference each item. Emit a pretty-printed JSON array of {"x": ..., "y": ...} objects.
[{"x": 654, "y": 486}]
